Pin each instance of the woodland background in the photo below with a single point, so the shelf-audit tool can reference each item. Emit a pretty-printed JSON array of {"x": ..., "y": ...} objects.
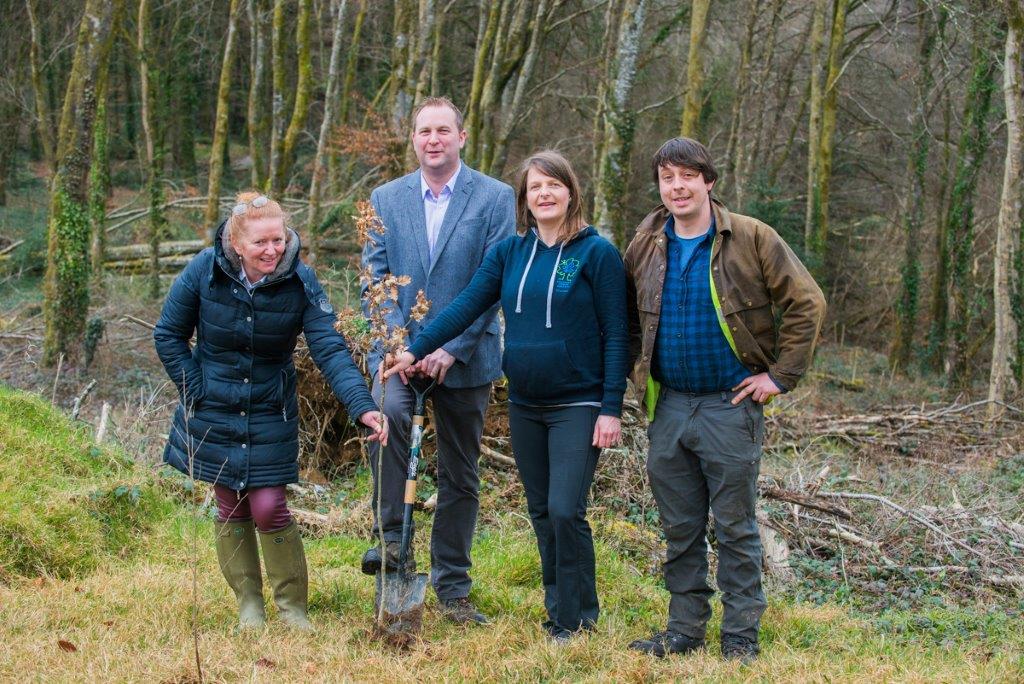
[{"x": 884, "y": 139}]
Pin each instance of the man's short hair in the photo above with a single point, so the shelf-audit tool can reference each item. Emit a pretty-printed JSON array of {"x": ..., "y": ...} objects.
[
  {"x": 437, "y": 102},
  {"x": 685, "y": 152}
]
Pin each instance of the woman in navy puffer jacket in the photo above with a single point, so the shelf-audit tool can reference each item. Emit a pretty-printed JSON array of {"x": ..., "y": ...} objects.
[{"x": 247, "y": 298}]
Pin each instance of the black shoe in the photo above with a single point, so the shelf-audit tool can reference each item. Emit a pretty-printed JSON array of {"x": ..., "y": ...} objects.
[
  {"x": 462, "y": 611},
  {"x": 735, "y": 647},
  {"x": 371, "y": 562},
  {"x": 559, "y": 636},
  {"x": 662, "y": 643}
]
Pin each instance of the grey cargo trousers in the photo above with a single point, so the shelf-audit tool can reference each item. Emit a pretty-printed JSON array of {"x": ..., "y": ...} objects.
[{"x": 705, "y": 454}]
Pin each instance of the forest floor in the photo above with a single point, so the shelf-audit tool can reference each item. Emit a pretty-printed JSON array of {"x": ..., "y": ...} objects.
[{"x": 898, "y": 510}]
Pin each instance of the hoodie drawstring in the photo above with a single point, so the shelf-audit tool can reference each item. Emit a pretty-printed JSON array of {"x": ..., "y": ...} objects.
[
  {"x": 551, "y": 283},
  {"x": 522, "y": 282}
]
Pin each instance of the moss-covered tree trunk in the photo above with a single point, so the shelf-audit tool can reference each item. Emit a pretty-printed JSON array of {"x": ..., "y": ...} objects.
[
  {"x": 693, "y": 98},
  {"x": 826, "y": 143},
  {"x": 487, "y": 29},
  {"x": 618, "y": 125},
  {"x": 66, "y": 287},
  {"x": 220, "y": 129},
  {"x": 1002, "y": 379},
  {"x": 334, "y": 173},
  {"x": 326, "y": 125},
  {"x": 153, "y": 145},
  {"x": 303, "y": 91},
  {"x": 99, "y": 184},
  {"x": 816, "y": 43},
  {"x": 913, "y": 215},
  {"x": 974, "y": 143}
]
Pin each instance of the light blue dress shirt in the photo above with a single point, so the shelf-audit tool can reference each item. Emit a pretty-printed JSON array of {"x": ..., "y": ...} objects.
[{"x": 434, "y": 208}]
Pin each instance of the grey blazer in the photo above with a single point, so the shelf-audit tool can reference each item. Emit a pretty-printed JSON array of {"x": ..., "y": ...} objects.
[{"x": 480, "y": 214}]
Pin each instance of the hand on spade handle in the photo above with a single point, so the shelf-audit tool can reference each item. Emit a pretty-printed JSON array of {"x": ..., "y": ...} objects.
[{"x": 400, "y": 363}]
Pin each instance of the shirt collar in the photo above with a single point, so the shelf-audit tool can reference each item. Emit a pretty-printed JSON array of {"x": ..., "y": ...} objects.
[
  {"x": 670, "y": 229},
  {"x": 449, "y": 184},
  {"x": 245, "y": 280}
]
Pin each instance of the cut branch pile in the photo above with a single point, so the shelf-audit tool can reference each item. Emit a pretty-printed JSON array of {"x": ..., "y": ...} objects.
[{"x": 957, "y": 427}]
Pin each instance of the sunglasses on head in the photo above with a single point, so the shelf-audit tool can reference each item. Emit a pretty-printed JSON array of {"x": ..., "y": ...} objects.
[{"x": 242, "y": 207}]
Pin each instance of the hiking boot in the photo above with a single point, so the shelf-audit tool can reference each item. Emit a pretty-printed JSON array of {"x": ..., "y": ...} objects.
[
  {"x": 239, "y": 559},
  {"x": 661, "y": 644},
  {"x": 370, "y": 565},
  {"x": 736, "y": 647},
  {"x": 285, "y": 562},
  {"x": 462, "y": 612}
]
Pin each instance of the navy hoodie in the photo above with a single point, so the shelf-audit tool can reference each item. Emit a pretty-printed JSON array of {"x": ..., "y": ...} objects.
[{"x": 565, "y": 319}]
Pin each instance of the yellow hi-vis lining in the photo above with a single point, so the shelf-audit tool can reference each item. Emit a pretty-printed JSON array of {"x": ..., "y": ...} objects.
[{"x": 653, "y": 386}]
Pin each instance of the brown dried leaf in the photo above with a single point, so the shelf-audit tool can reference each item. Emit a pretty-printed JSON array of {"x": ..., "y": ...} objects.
[
  {"x": 266, "y": 662},
  {"x": 66, "y": 646}
]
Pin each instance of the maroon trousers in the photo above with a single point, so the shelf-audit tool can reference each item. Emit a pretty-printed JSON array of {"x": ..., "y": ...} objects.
[{"x": 265, "y": 506}]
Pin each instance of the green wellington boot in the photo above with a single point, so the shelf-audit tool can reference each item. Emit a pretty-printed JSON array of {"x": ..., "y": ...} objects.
[
  {"x": 240, "y": 562},
  {"x": 285, "y": 562}
]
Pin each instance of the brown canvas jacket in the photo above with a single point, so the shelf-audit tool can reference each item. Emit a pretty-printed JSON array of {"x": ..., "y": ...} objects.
[{"x": 756, "y": 275}]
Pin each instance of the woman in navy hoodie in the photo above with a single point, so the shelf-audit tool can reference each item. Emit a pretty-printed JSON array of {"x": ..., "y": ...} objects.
[{"x": 562, "y": 290}]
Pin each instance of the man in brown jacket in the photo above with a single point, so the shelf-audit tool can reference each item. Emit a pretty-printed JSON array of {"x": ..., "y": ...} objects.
[{"x": 705, "y": 288}]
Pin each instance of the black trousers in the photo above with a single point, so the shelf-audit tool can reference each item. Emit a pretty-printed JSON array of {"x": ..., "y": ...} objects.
[
  {"x": 556, "y": 462},
  {"x": 459, "y": 419}
]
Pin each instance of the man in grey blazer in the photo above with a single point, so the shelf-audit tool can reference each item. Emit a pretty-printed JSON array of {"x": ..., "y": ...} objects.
[{"x": 439, "y": 221}]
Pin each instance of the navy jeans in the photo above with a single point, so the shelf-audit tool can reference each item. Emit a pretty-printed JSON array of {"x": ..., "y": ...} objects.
[{"x": 556, "y": 462}]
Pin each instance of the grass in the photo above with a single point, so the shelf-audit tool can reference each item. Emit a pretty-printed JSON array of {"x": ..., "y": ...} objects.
[
  {"x": 109, "y": 576},
  {"x": 66, "y": 505}
]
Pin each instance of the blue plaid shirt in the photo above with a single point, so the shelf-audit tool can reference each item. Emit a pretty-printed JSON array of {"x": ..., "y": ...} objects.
[{"x": 690, "y": 353}]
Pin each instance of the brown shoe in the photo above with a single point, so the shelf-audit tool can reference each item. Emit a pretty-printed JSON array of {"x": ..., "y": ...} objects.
[{"x": 461, "y": 611}]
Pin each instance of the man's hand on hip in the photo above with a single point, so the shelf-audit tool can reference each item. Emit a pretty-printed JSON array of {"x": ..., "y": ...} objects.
[{"x": 759, "y": 387}]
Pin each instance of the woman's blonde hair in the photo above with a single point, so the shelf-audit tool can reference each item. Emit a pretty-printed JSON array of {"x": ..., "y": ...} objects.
[
  {"x": 552, "y": 164},
  {"x": 247, "y": 207}
]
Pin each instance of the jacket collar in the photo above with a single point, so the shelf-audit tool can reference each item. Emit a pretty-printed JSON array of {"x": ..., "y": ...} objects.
[
  {"x": 231, "y": 262},
  {"x": 654, "y": 222}
]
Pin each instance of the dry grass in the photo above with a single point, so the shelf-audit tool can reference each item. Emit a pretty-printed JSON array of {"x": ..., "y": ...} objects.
[{"x": 130, "y": 621}]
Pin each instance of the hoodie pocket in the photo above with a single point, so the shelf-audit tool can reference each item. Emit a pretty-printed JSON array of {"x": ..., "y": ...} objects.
[{"x": 540, "y": 371}]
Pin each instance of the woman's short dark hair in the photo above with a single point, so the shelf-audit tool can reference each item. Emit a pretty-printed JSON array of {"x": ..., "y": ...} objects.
[
  {"x": 552, "y": 164},
  {"x": 685, "y": 152}
]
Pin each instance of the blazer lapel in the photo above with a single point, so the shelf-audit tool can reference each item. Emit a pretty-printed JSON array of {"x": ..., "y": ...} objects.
[
  {"x": 457, "y": 205},
  {"x": 419, "y": 220}
]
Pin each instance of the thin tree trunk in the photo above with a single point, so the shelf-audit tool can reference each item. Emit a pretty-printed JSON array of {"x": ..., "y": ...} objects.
[
  {"x": 256, "y": 117},
  {"x": 1005, "y": 344},
  {"x": 619, "y": 126},
  {"x": 303, "y": 91},
  {"x": 399, "y": 102},
  {"x": 220, "y": 129},
  {"x": 351, "y": 63},
  {"x": 817, "y": 42},
  {"x": 735, "y": 146},
  {"x": 694, "y": 96},
  {"x": 43, "y": 121},
  {"x": 280, "y": 86},
  {"x": 913, "y": 217},
  {"x": 330, "y": 104},
  {"x": 66, "y": 288}
]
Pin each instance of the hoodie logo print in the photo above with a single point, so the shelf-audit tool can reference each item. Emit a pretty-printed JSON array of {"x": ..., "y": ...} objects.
[{"x": 568, "y": 269}]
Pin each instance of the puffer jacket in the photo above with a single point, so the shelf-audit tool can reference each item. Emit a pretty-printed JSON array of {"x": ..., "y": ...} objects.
[{"x": 237, "y": 421}]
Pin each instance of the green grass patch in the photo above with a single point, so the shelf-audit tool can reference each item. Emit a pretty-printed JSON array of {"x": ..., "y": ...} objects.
[{"x": 66, "y": 504}]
